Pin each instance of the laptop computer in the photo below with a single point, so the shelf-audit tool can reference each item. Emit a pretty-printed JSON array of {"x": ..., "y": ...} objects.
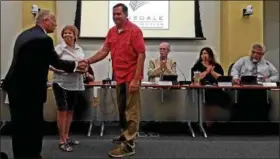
[
  {"x": 172, "y": 78},
  {"x": 248, "y": 80},
  {"x": 225, "y": 79},
  {"x": 169, "y": 77}
]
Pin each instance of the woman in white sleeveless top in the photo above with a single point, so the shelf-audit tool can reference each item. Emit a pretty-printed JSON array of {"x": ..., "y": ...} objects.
[{"x": 66, "y": 86}]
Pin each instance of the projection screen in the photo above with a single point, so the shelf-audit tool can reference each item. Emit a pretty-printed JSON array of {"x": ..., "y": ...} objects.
[{"x": 157, "y": 19}]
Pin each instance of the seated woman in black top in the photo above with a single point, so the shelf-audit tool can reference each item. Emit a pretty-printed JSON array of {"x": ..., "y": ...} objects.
[
  {"x": 210, "y": 72},
  {"x": 207, "y": 65}
]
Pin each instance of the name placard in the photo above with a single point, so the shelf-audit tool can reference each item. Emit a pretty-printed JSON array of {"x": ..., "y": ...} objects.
[
  {"x": 224, "y": 84},
  {"x": 147, "y": 83},
  {"x": 269, "y": 84},
  {"x": 113, "y": 83},
  {"x": 165, "y": 83}
]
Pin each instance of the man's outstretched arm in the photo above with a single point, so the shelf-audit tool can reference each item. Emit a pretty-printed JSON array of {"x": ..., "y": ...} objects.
[{"x": 100, "y": 55}]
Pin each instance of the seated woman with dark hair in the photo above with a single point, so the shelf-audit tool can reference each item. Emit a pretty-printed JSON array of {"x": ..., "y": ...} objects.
[
  {"x": 207, "y": 65},
  {"x": 210, "y": 71}
]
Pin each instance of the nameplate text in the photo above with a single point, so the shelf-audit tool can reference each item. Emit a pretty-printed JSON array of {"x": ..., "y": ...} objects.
[
  {"x": 165, "y": 83},
  {"x": 224, "y": 84},
  {"x": 269, "y": 84}
]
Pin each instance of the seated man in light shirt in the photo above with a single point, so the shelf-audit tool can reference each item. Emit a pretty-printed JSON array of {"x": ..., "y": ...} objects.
[
  {"x": 255, "y": 65},
  {"x": 253, "y": 105},
  {"x": 162, "y": 65}
]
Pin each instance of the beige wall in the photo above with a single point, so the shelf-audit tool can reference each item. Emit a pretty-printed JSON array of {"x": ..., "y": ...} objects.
[
  {"x": 28, "y": 19},
  {"x": 9, "y": 31},
  {"x": 228, "y": 33},
  {"x": 184, "y": 52},
  {"x": 271, "y": 31},
  {"x": 239, "y": 33}
]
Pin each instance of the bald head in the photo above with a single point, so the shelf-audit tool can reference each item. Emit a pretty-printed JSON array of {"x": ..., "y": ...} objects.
[
  {"x": 47, "y": 20},
  {"x": 164, "y": 49}
]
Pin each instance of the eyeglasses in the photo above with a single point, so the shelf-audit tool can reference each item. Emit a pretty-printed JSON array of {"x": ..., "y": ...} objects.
[{"x": 256, "y": 52}]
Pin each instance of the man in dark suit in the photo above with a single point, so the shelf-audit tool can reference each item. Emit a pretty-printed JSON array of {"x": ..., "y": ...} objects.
[{"x": 26, "y": 84}]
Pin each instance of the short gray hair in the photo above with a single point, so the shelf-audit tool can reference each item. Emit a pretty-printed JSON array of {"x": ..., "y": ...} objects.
[
  {"x": 168, "y": 45},
  {"x": 42, "y": 14},
  {"x": 259, "y": 46}
]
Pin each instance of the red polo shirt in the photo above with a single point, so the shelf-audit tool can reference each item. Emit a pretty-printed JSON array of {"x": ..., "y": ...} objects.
[{"x": 125, "y": 48}]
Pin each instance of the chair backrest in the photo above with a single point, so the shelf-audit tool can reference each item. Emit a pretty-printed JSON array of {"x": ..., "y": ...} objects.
[
  {"x": 3, "y": 155},
  {"x": 229, "y": 69}
]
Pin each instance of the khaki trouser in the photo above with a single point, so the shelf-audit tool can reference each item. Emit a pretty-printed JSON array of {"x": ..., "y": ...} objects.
[{"x": 131, "y": 111}]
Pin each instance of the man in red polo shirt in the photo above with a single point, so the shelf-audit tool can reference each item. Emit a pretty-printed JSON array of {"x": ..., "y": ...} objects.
[{"x": 126, "y": 44}]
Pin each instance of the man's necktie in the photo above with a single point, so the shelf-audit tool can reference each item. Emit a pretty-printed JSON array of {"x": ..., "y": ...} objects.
[{"x": 255, "y": 69}]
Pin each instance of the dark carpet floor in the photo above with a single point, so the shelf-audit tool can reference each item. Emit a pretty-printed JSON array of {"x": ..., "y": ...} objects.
[{"x": 168, "y": 145}]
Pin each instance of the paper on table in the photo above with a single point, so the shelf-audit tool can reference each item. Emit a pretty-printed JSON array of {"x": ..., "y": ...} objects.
[
  {"x": 147, "y": 83},
  {"x": 7, "y": 99},
  {"x": 270, "y": 84}
]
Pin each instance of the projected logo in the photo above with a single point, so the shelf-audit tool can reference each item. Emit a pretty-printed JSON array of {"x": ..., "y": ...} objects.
[
  {"x": 137, "y": 4},
  {"x": 148, "y": 15}
]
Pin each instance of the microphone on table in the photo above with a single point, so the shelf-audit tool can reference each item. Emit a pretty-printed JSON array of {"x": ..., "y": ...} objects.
[
  {"x": 185, "y": 79},
  {"x": 108, "y": 79},
  {"x": 272, "y": 68}
]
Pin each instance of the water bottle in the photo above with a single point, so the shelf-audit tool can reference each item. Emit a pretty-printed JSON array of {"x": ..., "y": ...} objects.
[{"x": 197, "y": 77}]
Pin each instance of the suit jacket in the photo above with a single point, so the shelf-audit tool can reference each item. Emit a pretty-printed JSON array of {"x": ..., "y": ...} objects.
[
  {"x": 154, "y": 69},
  {"x": 27, "y": 75}
]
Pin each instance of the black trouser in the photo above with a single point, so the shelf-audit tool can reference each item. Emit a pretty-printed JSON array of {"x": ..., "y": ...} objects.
[
  {"x": 27, "y": 127},
  {"x": 121, "y": 100}
]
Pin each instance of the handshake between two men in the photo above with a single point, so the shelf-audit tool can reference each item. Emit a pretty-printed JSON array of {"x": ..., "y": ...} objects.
[{"x": 82, "y": 66}]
